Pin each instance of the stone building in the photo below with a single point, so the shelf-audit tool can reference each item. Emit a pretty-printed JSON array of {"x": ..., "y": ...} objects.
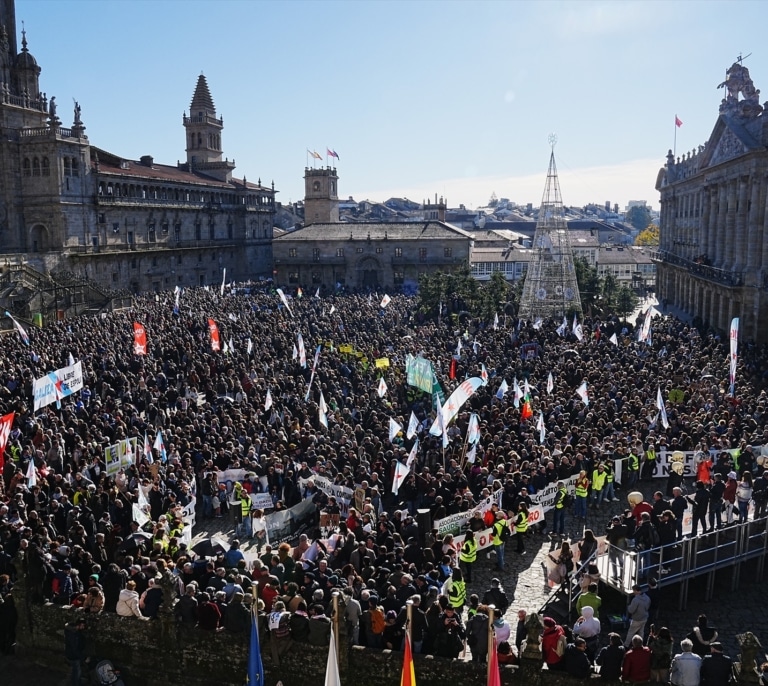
[
  {"x": 713, "y": 252},
  {"x": 67, "y": 206},
  {"x": 364, "y": 256}
]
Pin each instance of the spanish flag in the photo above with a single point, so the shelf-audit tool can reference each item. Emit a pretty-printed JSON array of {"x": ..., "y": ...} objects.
[{"x": 408, "y": 677}]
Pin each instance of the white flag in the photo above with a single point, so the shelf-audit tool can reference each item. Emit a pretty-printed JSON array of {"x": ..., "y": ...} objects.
[
  {"x": 412, "y": 455},
  {"x": 502, "y": 389},
  {"x": 223, "y": 281},
  {"x": 295, "y": 353},
  {"x": 333, "y": 309},
  {"x": 537, "y": 324},
  {"x": 518, "y": 393},
  {"x": 471, "y": 454},
  {"x": 226, "y": 347},
  {"x": 662, "y": 409},
  {"x": 302, "y": 351},
  {"x": 473, "y": 430},
  {"x": 563, "y": 327},
  {"x": 31, "y": 473},
  {"x": 579, "y": 332},
  {"x": 71, "y": 360},
  {"x": 495, "y": 321},
  {"x": 413, "y": 427},
  {"x": 232, "y": 317},
  {"x": 285, "y": 300},
  {"x": 250, "y": 346},
  {"x": 458, "y": 348},
  {"x": 475, "y": 346},
  {"x": 323, "y": 411},
  {"x": 484, "y": 374},
  {"x": 550, "y": 384},
  {"x": 382, "y": 389},
  {"x": 231, "y": 345},
  {"x": 332, "y": 666},
  {"x": 613, "y": 339},
  {"x": 268, "y": 400},
  {"x": 394, "y": 429},
  {"x": 401, "y": 472},
  {"x": 385, "y": 301},
  {"x": 582, "y": 393},
  {"x": 317, "y": 292},
  {"x": 541, "y": 427}
]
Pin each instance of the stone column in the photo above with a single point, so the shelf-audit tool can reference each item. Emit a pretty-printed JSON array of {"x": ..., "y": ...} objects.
[
  {"x": 754, "y": 225},
  {"x": 730, "y": 226},
  {"x": 718, "y": 254},
  {"x": 713, "y": 222},
  {"x": 764, "y": 252},
  {"x": 739, "y": 239},
  {"x": 703, "y": 232}
]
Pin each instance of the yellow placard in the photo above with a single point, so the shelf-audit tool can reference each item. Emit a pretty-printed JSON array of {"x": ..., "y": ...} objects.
[{"x": 382, "y": 363}]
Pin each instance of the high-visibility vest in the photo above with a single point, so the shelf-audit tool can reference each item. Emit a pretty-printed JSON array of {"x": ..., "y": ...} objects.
[
  {"x": 468, "y": 552},
  {"x": 245, "y": 504},
  {"x": 521, "y": 523},
  {"x": 561, "y": 502},
  {"x": 458, "y": 593},
  {"x": 609, "y": 473},
  {"x": 650, "y": 455},
  {"x": 634, "y": 464},
  {"x": 498, "y": 527},
  {"x": 598, "y": 480},
  {"x": 581, "y": 487}
]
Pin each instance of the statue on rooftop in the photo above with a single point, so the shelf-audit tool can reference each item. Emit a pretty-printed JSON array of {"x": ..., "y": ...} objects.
[{"x": 738, "y": 82}]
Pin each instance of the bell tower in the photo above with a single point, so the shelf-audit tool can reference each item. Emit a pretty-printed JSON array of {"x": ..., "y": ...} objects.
[
  {"x": 204, "y": 135},
  {"x": 321, "y": 199}
]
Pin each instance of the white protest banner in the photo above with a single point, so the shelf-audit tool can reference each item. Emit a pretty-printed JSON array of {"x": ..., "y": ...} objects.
[
  {"x": 57, "y": 385},
  {"x": 454, "y": 523},
  {"x": 262, "y": 501}
]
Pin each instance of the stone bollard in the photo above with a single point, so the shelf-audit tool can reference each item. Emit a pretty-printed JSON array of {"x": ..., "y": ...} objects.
[{"x": 746, "y": 669}]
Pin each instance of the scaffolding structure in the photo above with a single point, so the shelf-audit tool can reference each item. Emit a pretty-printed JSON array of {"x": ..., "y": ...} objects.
[{"x": 550, "y": 290}]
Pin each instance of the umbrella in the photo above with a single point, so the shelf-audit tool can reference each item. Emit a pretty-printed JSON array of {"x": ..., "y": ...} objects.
[
  {"x": 210, "y": 547},
  {"x": 135, "y": 540}
]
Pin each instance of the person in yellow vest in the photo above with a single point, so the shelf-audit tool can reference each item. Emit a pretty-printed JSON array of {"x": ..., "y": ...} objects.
[
  {"x": 649, "y": 462},
  {"x": 521, "y": 527},
  {"x": 558, "y": 516},
  {"x": 500, "y": 533},
  {"x": 468, "y": 555},
  {"x": 633, "y": 469},
  {"x": 599, "y": 482},
  {"x": 581, "y": 493},
  {"x": 456, "y": 589},
  {"x": 245, "y": 512},
  {"x": 610, "y": 493}
]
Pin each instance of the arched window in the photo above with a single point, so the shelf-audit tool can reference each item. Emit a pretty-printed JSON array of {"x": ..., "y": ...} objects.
[
  {"x": 27, "y": 167},
  {"x": 46, "y": 167},
  {"x": 35, "y": 167}
]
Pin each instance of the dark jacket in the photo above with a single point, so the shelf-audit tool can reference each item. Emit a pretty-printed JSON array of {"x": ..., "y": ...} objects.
[
  {"x": 74, "y": 642},
  {"x": 576, "y": 662},
  {"x": 716, "y": 670},
  {"x": 238, "y": 618},
  {"x": 610, "y": 659},
  {"x": 319, "y": 631}
]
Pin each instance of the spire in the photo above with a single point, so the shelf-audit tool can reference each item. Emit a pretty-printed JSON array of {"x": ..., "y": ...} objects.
[
  {"x": 202, "y": 100},
  {"x": 23, "y": 38},
  {"x": 550, "y": 288}
]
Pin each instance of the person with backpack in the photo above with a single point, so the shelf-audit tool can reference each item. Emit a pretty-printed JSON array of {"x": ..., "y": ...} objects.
[
  {"x": 375, "y": 623},
  {"x": 500, "y": 535}
]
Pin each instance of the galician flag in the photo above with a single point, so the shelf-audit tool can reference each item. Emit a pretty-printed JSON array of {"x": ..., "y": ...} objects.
[
  {"x": 472, "y": 454},
  {"x": 662, "y": 409},
  {"x": 401, "y": 472},
  {"x": 382, "y": 389},
  {"x": 484, "y": 374},
  {"x": 147, "y": 451},
  {"x": 538, "y": 323},
  {"x": 518, "y": 394},
  {"x": 541, "y": 427},
  {"x": 412, "y": 455},
  {"x": 413, "y": 427},
  {"x": 323, "y": 411},
  {"x": 473, "y": 430},
  {"x": 31, "y": 473},
  {"x": 385, "y": 301},
  {"x": 394, "y": 429},
  {"x": 581, "y": 391},
  {"x": 160, "y": 447},
  {"x": 563, "y": 327},
  {"x": 502, "y": 389}
]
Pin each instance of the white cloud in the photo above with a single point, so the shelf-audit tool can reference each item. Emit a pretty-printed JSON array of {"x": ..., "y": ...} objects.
[{"x": 632, "y": 180}]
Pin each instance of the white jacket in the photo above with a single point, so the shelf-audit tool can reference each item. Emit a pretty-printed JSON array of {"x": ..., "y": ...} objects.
[{"x": 128, "y": 604}]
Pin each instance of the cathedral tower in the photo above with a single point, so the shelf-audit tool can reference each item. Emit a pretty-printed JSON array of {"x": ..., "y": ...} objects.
[
  {"x": 204, "y": 135},
  {"x": 321, "y": 200}
]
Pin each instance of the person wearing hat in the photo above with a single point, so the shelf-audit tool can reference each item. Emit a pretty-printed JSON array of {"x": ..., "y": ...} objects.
[{"x": 553, "y": 643}]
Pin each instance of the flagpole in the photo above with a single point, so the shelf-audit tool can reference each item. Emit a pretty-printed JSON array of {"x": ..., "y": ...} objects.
[
  {"x": 408, "y": 618},
  {"x": 491, "y": 640},
  {"x": 336, "y": 622},
  {"x": 674, "y": 144}
]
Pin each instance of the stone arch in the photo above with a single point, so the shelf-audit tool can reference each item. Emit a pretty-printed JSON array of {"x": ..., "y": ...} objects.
[
  {"x": 39, "y": 238},
  {"x": 369, "y": 272}
]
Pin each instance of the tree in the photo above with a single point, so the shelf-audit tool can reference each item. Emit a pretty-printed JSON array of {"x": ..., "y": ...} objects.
[
  {"x": 493, "y": 296},
  {"x": 639, "y": 216},
  {"x": 589, "y": 282},
  {"x": 626, "y": 301},
  {"x": 648, "y": 236}
]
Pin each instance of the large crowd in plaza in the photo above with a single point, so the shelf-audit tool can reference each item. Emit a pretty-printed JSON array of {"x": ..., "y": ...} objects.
[{"x": 249, "y": 406}]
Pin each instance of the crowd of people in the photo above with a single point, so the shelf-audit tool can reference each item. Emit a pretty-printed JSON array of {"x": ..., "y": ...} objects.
[{"x": 71, "y": 526}]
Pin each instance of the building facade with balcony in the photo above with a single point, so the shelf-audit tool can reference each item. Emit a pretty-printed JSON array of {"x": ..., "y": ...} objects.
[
  {"x": 67, "y": 206},
  {"x": 713, "y": 252},
  {"x": 388, "y": 256}
]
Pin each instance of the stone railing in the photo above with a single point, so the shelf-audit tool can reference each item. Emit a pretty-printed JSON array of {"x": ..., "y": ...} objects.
[{"x": 722, "y": 276}]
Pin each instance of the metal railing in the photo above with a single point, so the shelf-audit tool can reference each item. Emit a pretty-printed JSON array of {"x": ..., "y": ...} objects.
[{"x": 679, "y": 562}]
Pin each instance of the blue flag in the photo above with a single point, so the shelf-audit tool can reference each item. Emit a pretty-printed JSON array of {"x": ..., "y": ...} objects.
[{"x": 255, "y": 665}]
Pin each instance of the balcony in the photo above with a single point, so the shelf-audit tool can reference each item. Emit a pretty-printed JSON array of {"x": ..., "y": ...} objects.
[
  {"x": 702, "y": 271},
  {"x": 151, "y": 247}
]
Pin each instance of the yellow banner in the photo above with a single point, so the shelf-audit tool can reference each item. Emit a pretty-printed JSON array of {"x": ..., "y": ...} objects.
[
  {"x": 345, "y": 349},
  {"x": 382, "y": 363}
]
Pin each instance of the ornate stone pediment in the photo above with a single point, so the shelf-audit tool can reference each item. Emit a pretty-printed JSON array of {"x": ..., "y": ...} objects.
[{"x": 727, "y": 147}]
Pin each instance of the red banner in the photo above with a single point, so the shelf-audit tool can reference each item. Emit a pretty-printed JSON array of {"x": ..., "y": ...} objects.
[
  {"x": 215, "y": 341},
  {"x": 6, "y": 424},
  {"x": 139, "y": 339},
  {"x": 452, "y": 369}
]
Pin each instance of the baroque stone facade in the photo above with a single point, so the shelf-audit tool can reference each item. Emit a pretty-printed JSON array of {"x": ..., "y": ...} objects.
[
  {"x": 66, "y": 205},
  {"x": 713, "y": 256}
]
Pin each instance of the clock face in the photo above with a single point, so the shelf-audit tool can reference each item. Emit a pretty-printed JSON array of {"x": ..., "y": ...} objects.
[
  {"x": 541, "y": 294},
  {"x": 569, "y": 293}
]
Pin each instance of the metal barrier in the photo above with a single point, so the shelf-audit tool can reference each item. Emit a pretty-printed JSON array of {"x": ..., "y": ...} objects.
[{"x": 679, "y": 562}]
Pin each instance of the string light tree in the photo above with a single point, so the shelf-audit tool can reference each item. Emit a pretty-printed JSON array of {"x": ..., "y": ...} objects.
[{"x": 550, "y": 289}]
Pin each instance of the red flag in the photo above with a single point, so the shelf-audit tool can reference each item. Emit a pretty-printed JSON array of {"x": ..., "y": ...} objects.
[
  {"x": 408, "y": 677},
  {"x": 139, "y": 339},
  {"x": 526, "y": 412},
  {"x": 452, "y": 369},
  {"x": 678, "y": 123},
  {"x": 6, "y": 424},
  {"x": 494, "y": 677},
  {"x": 215, "y": 341}
]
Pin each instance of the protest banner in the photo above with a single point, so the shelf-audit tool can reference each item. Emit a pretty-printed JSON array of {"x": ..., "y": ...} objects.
[{"x": 57, "y": 385}]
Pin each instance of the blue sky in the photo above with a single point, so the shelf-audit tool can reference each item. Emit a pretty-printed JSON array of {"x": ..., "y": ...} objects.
[{"x": 418, "y": 98}]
